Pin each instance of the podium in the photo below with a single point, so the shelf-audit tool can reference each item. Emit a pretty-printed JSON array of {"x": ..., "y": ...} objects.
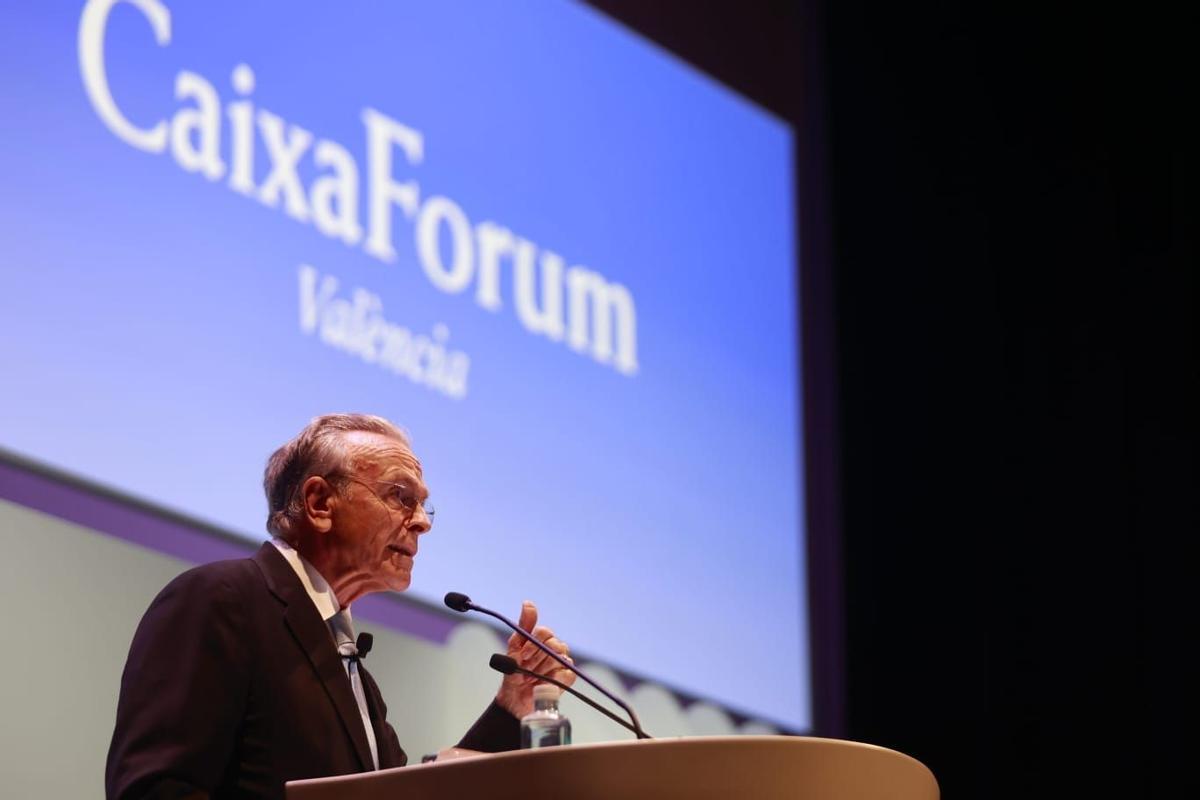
[{"x": 743, "y": 767}]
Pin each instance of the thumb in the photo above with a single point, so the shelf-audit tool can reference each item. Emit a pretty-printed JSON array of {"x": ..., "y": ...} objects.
[
  {"x": 528, "y": 618},
  {"x": 525, "y": 622}
]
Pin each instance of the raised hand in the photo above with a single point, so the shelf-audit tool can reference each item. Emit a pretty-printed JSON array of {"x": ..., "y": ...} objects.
[{"x": 516, "y": 690}]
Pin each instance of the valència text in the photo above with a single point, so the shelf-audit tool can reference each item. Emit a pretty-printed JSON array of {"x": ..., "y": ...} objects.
[
  {"x": 573, "y": 305},
  {"x": 356, "y": 326}
]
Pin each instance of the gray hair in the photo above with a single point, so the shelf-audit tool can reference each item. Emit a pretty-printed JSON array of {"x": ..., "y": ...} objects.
[{"x": 319, "y": 449}]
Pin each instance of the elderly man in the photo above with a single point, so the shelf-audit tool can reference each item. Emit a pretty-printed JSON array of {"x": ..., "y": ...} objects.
[{"x": 244, "y": 674}]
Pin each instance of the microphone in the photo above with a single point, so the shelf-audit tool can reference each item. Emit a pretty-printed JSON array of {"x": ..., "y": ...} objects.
[
  {"x": 502, "y": 663},
  {"x": 365, "y": 640},
  {"x": 460, "y": 602}
]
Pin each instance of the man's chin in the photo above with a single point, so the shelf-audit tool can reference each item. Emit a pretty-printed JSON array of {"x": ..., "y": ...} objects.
[
  {"x": 395, "y": 571},
  {"x": 398, "y": 580}
]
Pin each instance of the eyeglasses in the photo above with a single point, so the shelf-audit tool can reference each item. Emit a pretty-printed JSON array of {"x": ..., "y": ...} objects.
[{"x": 397, "y": 496}]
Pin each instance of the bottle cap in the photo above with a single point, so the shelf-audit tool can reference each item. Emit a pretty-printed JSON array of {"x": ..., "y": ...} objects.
[{"x": 546, "y": 691}]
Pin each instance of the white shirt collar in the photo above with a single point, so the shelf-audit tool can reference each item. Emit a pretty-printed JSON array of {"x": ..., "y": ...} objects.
[{"x": 317, "y": 587}]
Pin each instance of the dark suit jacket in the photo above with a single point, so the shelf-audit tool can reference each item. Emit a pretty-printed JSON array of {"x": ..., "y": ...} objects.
[{"x": 233, "y": 686}]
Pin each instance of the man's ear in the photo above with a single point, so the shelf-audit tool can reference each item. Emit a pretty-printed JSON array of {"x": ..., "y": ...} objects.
[{"x": 319, "y": 497}]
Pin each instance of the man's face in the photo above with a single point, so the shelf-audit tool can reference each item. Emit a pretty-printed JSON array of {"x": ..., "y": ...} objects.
[{"x": 374, "y": 533}]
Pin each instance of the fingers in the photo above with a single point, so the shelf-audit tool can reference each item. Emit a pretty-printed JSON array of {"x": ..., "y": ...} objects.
[
  {"x": 557, "y": 645},
  {"x": 529, "y": 655},
  {"x": 564, "y": 676},
  {"x": 544, "y": 664},
  {"x": 530, "y": 651}
]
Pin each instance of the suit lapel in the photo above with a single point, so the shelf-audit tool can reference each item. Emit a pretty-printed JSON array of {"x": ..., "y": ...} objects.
[
  {"x": 384, "y": 740},
  {"x": 313, "y": 637}
]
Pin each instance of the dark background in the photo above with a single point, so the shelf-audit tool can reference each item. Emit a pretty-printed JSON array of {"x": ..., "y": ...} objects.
[{"x": 998, "y": 260}]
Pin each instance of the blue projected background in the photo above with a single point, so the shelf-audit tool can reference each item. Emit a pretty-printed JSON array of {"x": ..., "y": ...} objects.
[{"x": 574, "y": 283}]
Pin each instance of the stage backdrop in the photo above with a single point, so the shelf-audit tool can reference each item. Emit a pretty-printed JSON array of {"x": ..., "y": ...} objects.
[{"x": 560, "y": 257}]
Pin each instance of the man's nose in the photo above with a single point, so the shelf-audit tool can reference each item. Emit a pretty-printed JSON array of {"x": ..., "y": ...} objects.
[{"x": 419, "y": 521}]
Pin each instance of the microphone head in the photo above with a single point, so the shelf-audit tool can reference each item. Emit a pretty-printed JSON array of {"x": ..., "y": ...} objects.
[
  {"x": 502, "y": 663},
  {"x": 365, "y": 640},
  {"x": 458, "y": 601}
]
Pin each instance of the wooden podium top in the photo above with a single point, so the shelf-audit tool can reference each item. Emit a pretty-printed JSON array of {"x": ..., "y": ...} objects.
[{"x": 663, "y": 769}]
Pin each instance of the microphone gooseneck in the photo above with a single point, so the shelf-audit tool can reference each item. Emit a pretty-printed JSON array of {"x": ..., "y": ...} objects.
[
  {"x": 507, "y": 665},
  {"x": 461, "y": 603}
]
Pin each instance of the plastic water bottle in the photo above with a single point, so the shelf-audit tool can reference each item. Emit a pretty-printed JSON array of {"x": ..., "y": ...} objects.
[{"x": 545, "y": 726}]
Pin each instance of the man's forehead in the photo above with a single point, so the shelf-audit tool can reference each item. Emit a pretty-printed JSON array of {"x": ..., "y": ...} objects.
[{"x": 384, "y": 453}]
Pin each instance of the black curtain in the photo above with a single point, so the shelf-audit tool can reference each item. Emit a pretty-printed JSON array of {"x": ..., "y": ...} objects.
[{"x": 1013, "y": 285}]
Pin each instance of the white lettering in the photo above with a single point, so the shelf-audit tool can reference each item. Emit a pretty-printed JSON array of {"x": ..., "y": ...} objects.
[
  {"x": 382, "y": 133},
  {"x": 241, "y": 119},
  {"x": 312, "y": 299},
  {"x": 202, "y": 122},
  {"x": 595, "y": 317},
  {"x": 358, "y": 327},
  {"x": 548, "y": 320},
  {"x": 435, "y": 211},
  {"x": 334, "y": 197},
  {"x": 608, "y": 300},
  {"x": 494, "y": 243},
  {"x": 284, "y": 151},
  {"x": 93, "y": 24}
]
